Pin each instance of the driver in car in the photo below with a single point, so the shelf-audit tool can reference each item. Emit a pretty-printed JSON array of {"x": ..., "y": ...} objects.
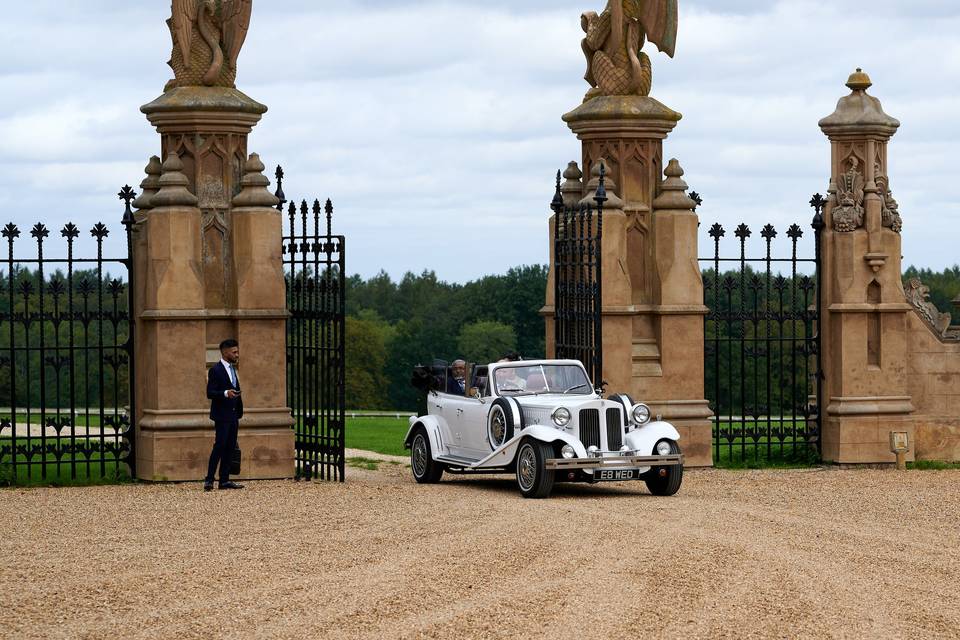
[{"x": 508, "y": 380}]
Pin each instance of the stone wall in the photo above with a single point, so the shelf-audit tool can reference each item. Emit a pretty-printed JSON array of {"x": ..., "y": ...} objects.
[{"x": 934, "y": 382}]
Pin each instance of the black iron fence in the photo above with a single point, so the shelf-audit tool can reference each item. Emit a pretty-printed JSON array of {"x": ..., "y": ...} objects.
[
  {"x": 66, "y": 362},
  {"x": 763, "y": 375},
  {"x": 578, "y": 294},
  {"x": 314, "y": 261}
]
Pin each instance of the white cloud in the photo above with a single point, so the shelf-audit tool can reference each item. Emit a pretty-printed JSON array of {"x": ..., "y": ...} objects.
[{"x": 435, "y": 126}]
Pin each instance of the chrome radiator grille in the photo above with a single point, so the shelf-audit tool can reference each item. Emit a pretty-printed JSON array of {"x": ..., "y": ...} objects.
[
  {"x": 614, "y": 429},
  {"x": 590, "y": 427}
]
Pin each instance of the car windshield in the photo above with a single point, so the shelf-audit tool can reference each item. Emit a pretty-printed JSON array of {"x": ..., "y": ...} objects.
[{"x": 542, "y": 378}]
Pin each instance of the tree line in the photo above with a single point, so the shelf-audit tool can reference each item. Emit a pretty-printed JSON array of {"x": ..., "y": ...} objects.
[{"x": 394, "y": 325}]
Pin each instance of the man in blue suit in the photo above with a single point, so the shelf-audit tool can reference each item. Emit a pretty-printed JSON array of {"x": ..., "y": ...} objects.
[{"x": 226, "y": 409}]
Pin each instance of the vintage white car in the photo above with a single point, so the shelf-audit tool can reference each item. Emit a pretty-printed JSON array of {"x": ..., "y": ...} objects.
[{"x": 544, "y": 421}]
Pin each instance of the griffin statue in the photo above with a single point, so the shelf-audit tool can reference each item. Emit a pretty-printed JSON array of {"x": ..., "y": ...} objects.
[
  {"x": 616, "y": 66},
  {"x": 207, "y": 37}
]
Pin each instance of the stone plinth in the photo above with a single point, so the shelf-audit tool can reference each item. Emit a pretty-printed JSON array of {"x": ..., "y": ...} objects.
[
  {"x": 208, "y": 264},
  {"x": 653, "y": 313},
  {"x": 865, "y": 314}
]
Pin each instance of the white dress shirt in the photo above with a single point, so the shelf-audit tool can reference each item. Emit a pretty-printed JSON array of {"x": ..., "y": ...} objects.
[{"x": 228, "y": 367}]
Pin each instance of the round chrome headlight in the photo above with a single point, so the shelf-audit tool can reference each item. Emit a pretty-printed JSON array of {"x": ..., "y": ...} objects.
[
  {"x": 561, "y": 417},
  {"x": 663, "y": 448},
  {"x": 593, "y": 450},
  {"x": 568, "y": 452},
  {"x": 641, "y": 414}
]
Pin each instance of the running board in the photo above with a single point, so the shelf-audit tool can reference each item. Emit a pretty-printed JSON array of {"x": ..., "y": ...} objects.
[{"x": 457, "y": 460}]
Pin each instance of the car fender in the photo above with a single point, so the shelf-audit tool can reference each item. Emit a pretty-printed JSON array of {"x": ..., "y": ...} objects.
[
  {"x": 506, "y": 454},
  {"x": 645, "y": 438},
  {"x": 432, "y": 425}
]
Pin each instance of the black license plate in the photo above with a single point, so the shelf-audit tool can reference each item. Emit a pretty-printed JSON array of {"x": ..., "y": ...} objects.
[{"x": 616, "y": 474}]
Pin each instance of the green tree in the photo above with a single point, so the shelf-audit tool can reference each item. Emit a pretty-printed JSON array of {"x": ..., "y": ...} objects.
[
  {"x": 366, "y": 384},
  {"x": 486, "y": 341}
]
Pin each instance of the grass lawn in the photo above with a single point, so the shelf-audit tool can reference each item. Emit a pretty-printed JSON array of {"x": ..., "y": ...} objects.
[
  {"x": 932, "y": 465},
  {"x": 382, "y": 435}
]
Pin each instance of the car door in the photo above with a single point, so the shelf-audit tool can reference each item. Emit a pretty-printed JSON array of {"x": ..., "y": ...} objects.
[
  {"x": 466, "y": 416},
  {"x": 473, "y": 425},
  {"x": 438, "y": 405}
]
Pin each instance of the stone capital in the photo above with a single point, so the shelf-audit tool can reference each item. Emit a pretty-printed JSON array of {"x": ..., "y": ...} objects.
[
  {"x": 859, "y": 115},
  {"x": 625, "y": 116}
]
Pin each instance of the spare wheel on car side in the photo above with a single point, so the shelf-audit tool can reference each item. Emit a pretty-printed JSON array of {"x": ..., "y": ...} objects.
[{"x": 503, "y": 420}]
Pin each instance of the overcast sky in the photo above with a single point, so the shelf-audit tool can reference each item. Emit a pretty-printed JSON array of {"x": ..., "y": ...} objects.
[{"x": 435, "y": 126}]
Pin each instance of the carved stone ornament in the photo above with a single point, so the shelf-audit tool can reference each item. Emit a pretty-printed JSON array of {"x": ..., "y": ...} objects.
[
  {"x": 918, "y": 295},
  {"x": 207, "y": 38},
  {"x": 890, "y": 209},
  {"x": 848, "y": 214},
  {"x": 616, "y": 66}
]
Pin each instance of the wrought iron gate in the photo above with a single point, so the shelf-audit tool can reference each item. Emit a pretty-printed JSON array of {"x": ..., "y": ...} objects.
[
  {"x": 66, "y": 356},
  {"x": 763, "y": 374},
  {"x": 578, "y": 294},
  {"x": 316, "y": 332}
]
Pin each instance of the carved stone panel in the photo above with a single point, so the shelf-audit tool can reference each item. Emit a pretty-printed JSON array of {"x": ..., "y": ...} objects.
[{"x": 848, "y": 214}]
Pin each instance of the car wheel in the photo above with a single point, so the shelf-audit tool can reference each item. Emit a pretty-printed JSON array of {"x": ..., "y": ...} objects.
[
  {"x": 426, "y": 470},
  {"x": 668, "y": 483},
  {"x": 500, "y": 423},
  {"x": 534, "y": 479}
]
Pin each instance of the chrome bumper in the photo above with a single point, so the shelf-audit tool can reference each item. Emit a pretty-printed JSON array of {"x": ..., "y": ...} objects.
[{"x": 615, "y": 462}]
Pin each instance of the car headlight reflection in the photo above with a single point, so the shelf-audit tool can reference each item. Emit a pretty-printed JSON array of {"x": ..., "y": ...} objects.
[
  {"x": 641, "y": 414},
  {"x": 561, "y": 417}
]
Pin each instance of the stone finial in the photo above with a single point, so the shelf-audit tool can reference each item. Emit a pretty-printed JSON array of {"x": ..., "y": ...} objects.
[
  {"x": 150, "y": 185},
  {"x": 173, "y": 186},
  {"x": 572, "y": 187},
  {"x": 207, "y": 38},
  {"x": 859, "y": 81},
  {"x": 613, "y": 201},
  {"x": 859, "y": 112},
  {"x": 673, "y": 190},
  {"x": 253, "y": 187}
]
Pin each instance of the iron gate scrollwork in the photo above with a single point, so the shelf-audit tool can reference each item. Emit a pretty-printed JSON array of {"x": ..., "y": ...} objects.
[
  {"x": 314, "y": 262},
  {"x": 762, "y": 349},
  {"x": 578, "y": 292},
  {"x": 66, "y": 356}
]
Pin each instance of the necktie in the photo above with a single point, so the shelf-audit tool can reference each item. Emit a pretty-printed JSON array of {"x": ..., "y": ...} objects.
[{"x": 233, "y": 376}]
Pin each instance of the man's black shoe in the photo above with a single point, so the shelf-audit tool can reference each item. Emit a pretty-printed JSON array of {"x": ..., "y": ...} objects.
[
  {"x": 208, "y": 485},
  {"x": 230, "y": 484}
]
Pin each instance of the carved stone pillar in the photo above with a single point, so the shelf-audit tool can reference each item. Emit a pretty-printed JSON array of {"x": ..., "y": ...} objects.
[
  {"x": 209, "y": 245},
  {"x": 865, "y": 323},
  {"x": 653, "y": 332}
]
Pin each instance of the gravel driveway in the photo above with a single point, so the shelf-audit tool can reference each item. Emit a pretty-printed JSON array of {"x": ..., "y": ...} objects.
[{"x": 815, "y": 553}]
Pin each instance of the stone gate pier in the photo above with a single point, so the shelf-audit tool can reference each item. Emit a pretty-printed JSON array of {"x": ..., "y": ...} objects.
[
  {"x": 891, "y": 362},
  {"x": 207, "y": 255},
  {"x": 652, "y": 300}
]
